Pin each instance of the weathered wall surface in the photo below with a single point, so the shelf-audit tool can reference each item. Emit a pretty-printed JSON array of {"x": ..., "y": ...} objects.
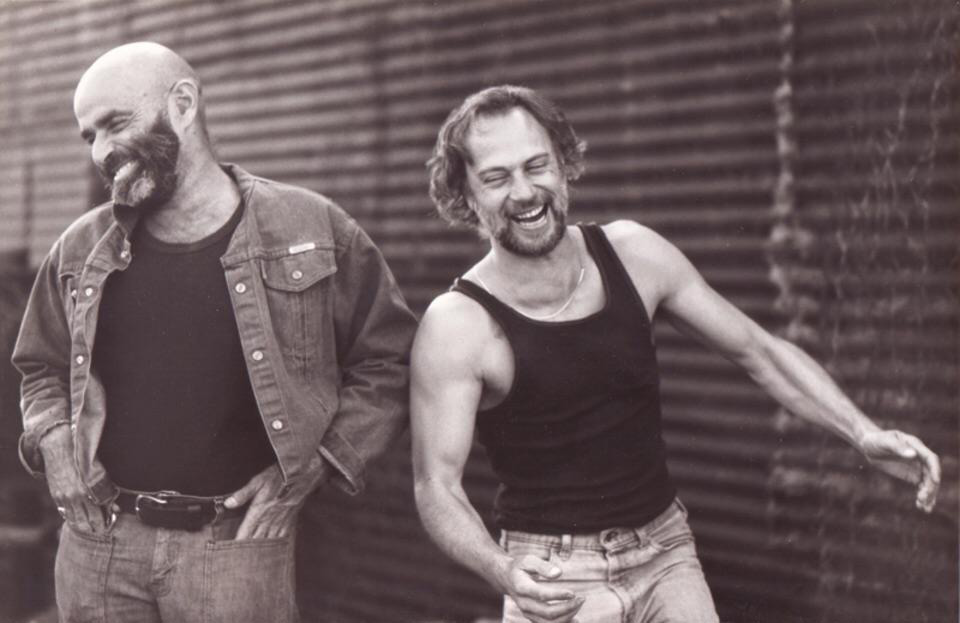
[{"x": 803, "y": 154}]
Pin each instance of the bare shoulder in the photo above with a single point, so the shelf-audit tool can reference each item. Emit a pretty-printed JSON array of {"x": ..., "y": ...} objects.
[
  {"x": 455, "y": 329},
  {"x": 643, "y": 250},
  {"x": 633, "y": 240}
]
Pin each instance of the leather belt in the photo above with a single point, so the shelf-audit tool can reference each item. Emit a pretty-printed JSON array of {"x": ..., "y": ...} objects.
[{"x": 169, "y": 509}]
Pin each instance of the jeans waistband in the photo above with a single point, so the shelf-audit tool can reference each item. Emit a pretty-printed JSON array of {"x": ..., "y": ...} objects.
[{"x": 604, "y": 540}]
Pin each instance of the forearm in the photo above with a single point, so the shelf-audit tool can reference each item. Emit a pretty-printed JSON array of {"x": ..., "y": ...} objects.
[
  {"x": 456, "y": 527},
  {"x": 805, "y": 389}
]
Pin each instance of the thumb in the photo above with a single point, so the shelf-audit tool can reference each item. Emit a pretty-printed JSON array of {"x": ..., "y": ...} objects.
[
  {"x": 898, "y": 444},
  {"x": 533, "y": 564},
  {"x": 243, "y": 495}
]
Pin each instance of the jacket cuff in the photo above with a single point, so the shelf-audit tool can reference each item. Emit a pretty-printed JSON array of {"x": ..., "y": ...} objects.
[
  {"x": 348, "y": 464},
  {"x": 29, "y": 447}
]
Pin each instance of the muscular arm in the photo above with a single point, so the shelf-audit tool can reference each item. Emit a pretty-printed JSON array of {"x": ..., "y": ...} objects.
[
  {"x": 784, "y": 371},
  {"x": 446, "y": 386}
]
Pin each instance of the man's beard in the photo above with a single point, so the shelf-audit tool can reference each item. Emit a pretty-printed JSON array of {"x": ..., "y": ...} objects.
[
  {"x": 510, "y": 240},
  {"x": 151, "y": 178}
]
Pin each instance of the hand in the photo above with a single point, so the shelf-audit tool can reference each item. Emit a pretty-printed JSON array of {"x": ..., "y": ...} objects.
[
  {"x": 539, "y": 602},
  {"x": 66, "y": 487},
  {"x": 273, "y": 508},
  {"x": 905, "y": 457}
]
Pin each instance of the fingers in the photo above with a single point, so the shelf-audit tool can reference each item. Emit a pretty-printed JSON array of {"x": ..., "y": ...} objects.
[
  {"x": 552, "y": 612},
  {"x": 538, "y": 566},
  {"x": 906, "y": 457},
  {"x": 267, "y": 521},
  {"x": 242, "y": 495},
  {"x": 264, "y": 484},
  {"x": 84, "y": 515},
  {"x": 930, "y": 482},
  {"x": 542, "y": 601}
]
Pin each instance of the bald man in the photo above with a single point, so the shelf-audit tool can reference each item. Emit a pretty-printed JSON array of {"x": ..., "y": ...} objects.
[{"x": 198, "y": 355}]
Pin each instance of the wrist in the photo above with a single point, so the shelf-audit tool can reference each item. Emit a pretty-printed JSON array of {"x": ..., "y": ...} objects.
[
  {"x": 499, "y": 572},
  {"x": 860, "y": 435},
  {"x": 55, "y": 441}
]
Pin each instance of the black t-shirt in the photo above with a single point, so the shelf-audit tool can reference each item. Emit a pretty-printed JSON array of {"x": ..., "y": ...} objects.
[{"x": 181, "y": 414}]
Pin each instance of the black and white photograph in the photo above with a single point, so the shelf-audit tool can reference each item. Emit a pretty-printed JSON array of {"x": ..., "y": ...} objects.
[{"x": 479, "y": 311}]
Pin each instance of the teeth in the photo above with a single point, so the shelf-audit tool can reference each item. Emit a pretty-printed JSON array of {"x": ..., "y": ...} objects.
[
  {"x": 123, "y": 171},
  {"x": 529, "y": 213},
  {"x": 534, "y": 215}
]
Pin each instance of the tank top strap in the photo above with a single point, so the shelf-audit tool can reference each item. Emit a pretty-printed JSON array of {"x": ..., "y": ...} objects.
[
  {"x": 620, "y": 287},
  {"x": 494, "y": 307}
]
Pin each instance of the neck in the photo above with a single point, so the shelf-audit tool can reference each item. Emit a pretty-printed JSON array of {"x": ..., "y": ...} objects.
[
  {"x": 204, "y": 200},
  {"x": 523, "y": 269},
  {"x": 533, "y": 283}
]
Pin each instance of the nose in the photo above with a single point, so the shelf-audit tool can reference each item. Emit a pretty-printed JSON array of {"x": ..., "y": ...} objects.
[
  {"x": 100, "y": 150},
  {"x": 521, "y": 190}
]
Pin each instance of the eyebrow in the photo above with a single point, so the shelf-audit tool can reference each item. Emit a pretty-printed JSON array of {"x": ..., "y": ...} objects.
[{"x": 106, "y": 118}]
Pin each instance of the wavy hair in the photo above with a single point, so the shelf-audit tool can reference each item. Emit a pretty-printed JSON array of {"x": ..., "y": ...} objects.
[{"x": 447, "y": 165}]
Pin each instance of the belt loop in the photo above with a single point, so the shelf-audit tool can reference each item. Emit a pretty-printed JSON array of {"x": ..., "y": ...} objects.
[
  {"x": 218, "y": 509},
  {"x": 566, "y": 546}
]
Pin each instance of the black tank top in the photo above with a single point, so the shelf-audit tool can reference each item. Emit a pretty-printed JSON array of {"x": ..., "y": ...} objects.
[{"x": 576, "y": 443}]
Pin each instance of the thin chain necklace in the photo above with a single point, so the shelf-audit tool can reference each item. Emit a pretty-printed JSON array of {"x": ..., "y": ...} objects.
[{"x": 553, "y": 314}]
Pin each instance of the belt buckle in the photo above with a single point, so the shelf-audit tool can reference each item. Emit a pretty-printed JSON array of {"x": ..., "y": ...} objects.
[{"x": 169, "y": 509}]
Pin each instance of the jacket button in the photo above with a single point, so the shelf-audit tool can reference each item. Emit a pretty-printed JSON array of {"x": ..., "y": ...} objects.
[
  {"x": 240, "y": 288},
  {"x": 80, "y": 360},
  {"x": 124, "y": 254},
  {"x": 257, "y": 355},
  {"x": 297, "y": 274},
  {"x": 88, "y": 291},
  {"x": 276, "y": 425}
]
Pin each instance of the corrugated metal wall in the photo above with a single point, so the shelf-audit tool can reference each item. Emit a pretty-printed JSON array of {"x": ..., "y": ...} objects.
[
  {"x": 676, "y": 101},
  {"x": 868, "y": 257}
]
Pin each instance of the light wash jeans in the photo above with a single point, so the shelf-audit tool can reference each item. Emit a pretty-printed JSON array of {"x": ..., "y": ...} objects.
[
  {"x": 140, "y": 574},
  {"x": 631, "y": 575}
]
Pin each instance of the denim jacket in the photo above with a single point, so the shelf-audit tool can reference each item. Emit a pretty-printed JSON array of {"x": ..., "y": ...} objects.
[{"x": 322, "y": 322}]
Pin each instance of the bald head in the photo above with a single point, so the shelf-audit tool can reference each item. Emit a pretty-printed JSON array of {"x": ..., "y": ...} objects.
[
  {"x": 139, "y": 108},
  {"x": 135, "y": 75}
]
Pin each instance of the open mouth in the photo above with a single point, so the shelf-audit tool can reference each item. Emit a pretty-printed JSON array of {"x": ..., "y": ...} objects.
[
  {"x": 124, "y": 172},
  {"x": 533, "y": 217}
]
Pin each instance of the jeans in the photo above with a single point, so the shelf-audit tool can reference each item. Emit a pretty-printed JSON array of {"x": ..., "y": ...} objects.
[
  {"x": 142, "y": 574},
  {"x": 631, "y": 575}
]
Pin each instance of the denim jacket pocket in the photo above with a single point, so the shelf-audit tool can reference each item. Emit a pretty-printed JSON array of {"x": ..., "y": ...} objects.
[
  {"x": 297, "y": 289},
  {"x": 297, "y": 272}
]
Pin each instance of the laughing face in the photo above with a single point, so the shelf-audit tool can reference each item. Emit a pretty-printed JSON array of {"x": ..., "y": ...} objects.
[
  {"x": 516, "y": 184},
  {"x": 131, "y": 140},
  {"x": 141, "y": 171}
]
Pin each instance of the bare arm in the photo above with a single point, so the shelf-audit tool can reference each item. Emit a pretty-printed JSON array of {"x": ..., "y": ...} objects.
[
  {"x": 446, "y": 386},
  {"x": 783, "y": 370}
]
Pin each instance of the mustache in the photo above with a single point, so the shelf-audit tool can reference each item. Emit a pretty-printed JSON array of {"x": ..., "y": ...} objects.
[
  {"x": 111, "y": 165},
  {"x": 157, "y": 149}
]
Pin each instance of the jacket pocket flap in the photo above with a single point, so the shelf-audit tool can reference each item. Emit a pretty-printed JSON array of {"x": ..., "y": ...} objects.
[{"x": 297, "y": 272}]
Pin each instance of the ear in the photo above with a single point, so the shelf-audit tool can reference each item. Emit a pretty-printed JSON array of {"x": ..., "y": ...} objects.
[{"x": 183, "y": 103}]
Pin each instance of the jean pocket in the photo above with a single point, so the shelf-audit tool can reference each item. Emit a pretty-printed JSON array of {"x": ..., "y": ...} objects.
[
  {"x": 672, "y": 533},
  {"x": 94, "y": 537},
  {"x": 518, "y": 547},
  {"x": 249, "y": 581}
]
